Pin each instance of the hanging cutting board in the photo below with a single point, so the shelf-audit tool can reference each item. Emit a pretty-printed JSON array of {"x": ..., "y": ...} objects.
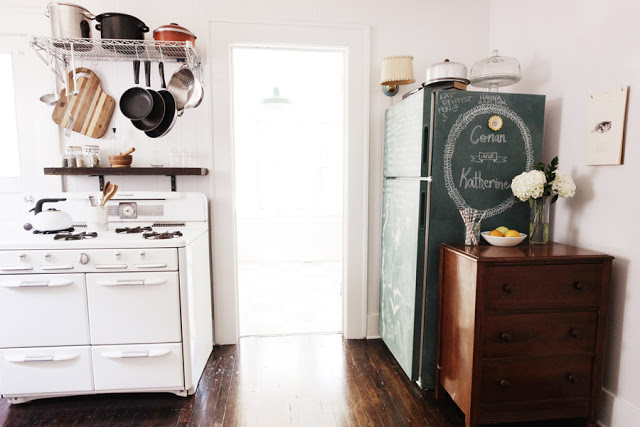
[{"x": 91, "y": 108}]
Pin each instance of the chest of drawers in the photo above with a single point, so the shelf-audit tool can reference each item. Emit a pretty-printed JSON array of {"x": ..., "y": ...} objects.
[{"x": 521, "y": 332}]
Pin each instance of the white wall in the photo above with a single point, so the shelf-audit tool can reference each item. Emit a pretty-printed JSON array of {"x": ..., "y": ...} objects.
[
  {"x": 429, "y": 30},
  {"x": 567, "y": 50}
]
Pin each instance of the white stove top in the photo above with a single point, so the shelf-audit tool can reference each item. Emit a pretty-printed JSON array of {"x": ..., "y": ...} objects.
[
  {"x": 14, "y": 237},
  {"x": 189, "y": 210}
]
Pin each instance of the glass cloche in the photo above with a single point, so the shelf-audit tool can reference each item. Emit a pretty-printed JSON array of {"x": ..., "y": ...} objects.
[{"x": 495, "y": 72}]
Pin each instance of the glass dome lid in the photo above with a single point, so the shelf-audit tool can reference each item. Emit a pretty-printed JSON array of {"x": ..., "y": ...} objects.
[{"x": 495, "y": 72}]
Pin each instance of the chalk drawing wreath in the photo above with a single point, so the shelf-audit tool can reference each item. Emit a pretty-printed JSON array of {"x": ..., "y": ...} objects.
[{"x": 461, "y": 123}]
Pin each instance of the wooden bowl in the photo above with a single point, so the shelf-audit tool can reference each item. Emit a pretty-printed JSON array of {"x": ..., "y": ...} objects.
[{"x": 118, "y": 161}]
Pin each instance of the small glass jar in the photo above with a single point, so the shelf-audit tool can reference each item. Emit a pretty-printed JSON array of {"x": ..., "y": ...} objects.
[
  {"x": 75, "y": 158},
  {"x": 92, "y": 156}
]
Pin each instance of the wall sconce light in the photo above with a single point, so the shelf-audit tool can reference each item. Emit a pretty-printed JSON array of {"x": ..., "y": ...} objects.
[{"x": 396, "y": 70}]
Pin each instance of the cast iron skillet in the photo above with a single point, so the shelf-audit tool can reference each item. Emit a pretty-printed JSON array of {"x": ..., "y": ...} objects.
[
  {"x": 153, "y": 119},
  {"x": 170, "y": 115},
  {"x": 136, "y": 102}
]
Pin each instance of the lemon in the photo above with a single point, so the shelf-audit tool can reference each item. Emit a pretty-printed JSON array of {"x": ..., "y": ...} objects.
[{"x": 512, "y": 233}]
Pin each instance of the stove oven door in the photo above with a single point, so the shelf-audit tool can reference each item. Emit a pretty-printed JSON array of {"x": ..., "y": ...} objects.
[
  {"x": 134, "y": 308},
  {"x": 38, "y": 310}
]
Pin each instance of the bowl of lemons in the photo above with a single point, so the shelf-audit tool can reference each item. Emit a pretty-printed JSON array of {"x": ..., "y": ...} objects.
[{"x": 502, "y": 236}]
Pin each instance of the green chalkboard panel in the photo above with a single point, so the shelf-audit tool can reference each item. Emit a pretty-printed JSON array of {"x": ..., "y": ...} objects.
[{"x": 472, "y": 165}]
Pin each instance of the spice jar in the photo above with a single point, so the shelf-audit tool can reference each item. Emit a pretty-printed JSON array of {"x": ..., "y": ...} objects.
[
  {"x": 75, "y": 158},
  {"x": 92, "y": 156}
]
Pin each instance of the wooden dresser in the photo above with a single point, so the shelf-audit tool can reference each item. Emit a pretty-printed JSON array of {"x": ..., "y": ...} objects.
[{"x": 521, "y": 332}]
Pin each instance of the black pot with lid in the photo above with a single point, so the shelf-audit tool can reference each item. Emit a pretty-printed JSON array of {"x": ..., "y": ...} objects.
[{"x": 121, "y": 26}]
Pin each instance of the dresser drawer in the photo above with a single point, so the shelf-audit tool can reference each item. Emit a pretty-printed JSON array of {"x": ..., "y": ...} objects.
[
  {"x": 543, "y": 286},
  {"x": 543, "y": 378},
  {"x": 539, "y": 334}
]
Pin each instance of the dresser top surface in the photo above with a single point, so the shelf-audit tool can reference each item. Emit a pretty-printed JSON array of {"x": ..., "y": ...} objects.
[{"x": 525, "y": 252}]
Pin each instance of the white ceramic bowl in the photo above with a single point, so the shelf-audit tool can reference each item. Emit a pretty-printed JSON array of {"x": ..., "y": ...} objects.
[{"x": 502, "y": 241}]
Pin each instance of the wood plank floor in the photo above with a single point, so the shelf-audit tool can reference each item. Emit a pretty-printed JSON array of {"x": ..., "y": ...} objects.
[{"x": 299, "y": 380}]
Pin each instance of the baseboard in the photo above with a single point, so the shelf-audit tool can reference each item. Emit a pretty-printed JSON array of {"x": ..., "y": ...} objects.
[
  {"x": 617, "y": 412},
  {"x": 372, "y": 326}
]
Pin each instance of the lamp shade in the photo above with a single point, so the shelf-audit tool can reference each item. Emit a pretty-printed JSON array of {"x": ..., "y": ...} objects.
[{"x": 397, "y": 70}]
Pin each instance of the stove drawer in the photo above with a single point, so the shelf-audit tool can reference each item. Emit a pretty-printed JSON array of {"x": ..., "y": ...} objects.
[
  {"x": 144, "y": 259},
  {"x": 39, "y": 310},
  {"x": 25, "y": 371},
  {"x": 135, "y": 367},
  {"x": 134, "y": 308}
]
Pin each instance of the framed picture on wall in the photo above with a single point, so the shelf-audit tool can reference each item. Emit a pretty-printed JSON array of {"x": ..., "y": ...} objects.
[{"x": 605, "y": 126}]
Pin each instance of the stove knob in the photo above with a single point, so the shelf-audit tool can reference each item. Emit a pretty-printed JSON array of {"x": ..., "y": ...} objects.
[
  {"x": 47, "y": 257},
  {"x": 142, "y": 254},
  {"x": 23, "y": 257},
  {"x": 83, "y": 258},
  {"x": 117, "y": 254}
]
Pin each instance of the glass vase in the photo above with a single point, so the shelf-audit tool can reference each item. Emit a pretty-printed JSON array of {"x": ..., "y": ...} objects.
[{"x": 539, "y": 221}]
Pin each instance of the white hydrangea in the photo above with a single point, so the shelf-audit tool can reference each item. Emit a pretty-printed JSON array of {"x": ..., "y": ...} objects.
[
  {"x": 563, "y": 185},
  {"x": 529, "y": 185}
]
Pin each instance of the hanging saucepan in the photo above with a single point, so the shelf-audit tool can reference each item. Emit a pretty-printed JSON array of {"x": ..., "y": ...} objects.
[
  {"x": 186, "y": 89},
  {"x": 136, "y": 102},
  {"x": 123, "y": 27},
  {"x": 170, "y": 115},
  {"x": 153, "y": 119}
]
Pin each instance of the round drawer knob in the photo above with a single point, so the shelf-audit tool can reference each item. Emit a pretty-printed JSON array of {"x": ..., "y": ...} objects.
[
  {"x": 571, "y": 378},
  {"x": 507, "y": 288},
  {"x": 579, "y": 286},
  {"x": 83, "y": 258},
  {"x": 504, "y": 384},
  {"x": 505, "y": 337},
  {"x": 576, "y": 333}
]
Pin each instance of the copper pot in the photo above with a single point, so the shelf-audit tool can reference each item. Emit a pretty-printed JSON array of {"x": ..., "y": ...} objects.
[{"x": 173, "y": 33}]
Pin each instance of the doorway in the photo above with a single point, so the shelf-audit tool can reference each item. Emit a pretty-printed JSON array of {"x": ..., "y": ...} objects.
[
  {"x": 288, "y": 126},
  {"x": 354, "y": 41}
]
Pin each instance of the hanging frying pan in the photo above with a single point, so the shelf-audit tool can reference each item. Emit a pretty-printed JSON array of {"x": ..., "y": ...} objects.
[
  {"x": 170, "y": 113},
  {"x": 136, "y": 102},
  {"x": 153, "y": 119}
]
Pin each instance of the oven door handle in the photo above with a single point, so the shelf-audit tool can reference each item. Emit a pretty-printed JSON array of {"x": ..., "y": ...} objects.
[
  {"x": 150, "y": 265},
  {"x": 56, "y": 267},
  {"x": 37, "y": 284},
  {"x": 58, "y": 357},
  {"x": 16, "y": 268},
  {"x": 135, "y": 354},
  {"x": 126, "y": 282}
]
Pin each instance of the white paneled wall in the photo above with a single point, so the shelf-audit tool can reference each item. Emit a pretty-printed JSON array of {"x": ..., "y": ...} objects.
[{"x": 431, "y": 30}]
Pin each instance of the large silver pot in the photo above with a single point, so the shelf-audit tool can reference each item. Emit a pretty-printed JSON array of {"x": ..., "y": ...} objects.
[{"x": 69, "y": 20}]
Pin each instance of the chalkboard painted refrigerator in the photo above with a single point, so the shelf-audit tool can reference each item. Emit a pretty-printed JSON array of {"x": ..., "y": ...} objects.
[{"x": 445, "y": 150}]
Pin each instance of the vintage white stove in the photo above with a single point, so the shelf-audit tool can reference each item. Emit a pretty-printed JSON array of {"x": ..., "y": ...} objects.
[{"x": 114, "y": 311}]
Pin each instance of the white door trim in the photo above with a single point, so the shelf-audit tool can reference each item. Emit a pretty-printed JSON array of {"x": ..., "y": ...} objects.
[{"x": 356, "y": 40}]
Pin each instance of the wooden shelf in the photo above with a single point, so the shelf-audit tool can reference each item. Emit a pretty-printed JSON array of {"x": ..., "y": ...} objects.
[{"x": 101, "y": 172}]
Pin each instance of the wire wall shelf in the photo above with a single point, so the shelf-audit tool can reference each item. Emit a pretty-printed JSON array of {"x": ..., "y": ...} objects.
[{"x": 61, "y": 53}]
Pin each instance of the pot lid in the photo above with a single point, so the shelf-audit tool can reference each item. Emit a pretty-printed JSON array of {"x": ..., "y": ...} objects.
[
  {"x": 173, "y": 27},
  {"x": 495, "y": 71},
  {"x": 446, "y": 70}
]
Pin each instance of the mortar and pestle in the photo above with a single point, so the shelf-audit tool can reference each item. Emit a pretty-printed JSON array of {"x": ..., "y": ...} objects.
[{"x": 122, "y": 160}]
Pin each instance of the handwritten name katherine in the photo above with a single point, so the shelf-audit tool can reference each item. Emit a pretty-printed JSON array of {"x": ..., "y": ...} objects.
[{"x": 476, "y": 181}]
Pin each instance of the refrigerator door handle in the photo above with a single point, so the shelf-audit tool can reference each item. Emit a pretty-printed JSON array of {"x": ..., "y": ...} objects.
[
  {"x": 423, "y": 213},
  {"x": 425, "y": 145}
]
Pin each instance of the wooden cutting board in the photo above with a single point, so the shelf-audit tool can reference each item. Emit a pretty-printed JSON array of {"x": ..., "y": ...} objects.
[{"x": 91, "y": 109}]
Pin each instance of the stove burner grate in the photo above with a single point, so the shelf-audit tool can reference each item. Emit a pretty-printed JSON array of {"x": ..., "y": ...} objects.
[
  {"x": 128, "y": 230},
  {"x": 79, "y": 236},
  {"x": 161, "y": 236},
  {"x": 65, "y": 230}
]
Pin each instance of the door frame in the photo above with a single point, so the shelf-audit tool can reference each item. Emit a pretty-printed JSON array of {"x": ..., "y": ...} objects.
[{"x": 356, "y": 41}]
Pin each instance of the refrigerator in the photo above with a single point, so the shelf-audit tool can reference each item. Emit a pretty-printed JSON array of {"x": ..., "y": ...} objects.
[{"x": 445, "y": 150}]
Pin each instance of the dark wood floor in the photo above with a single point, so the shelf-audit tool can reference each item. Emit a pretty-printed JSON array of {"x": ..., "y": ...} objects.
[{"x": 303, "y": 380}]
